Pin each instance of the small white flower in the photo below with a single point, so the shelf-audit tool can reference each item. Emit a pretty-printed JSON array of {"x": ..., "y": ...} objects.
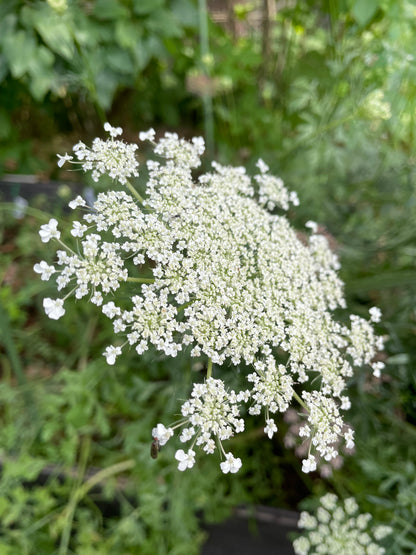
[
  {"x": 375, "y": 314},
  {"x": 54, "y": 308},
  {"x": 309, "y": 464},
  {"x": 97, "y": 298},
  {"x": 63, "y": 159},
  {"x": 270, "y": 428},
  {"x": 313, "y": 226},
  {"x": 349, "y": 439},
  {"x": 111, "y": 310},
  {"x": 49, "y": 231},
  {"x": 147, "y": 135},
  {"x": 44, "y": 269},
  {"x": 231, "y": 464},
  {"x": 186, "y": 460},
  {"x": 377, "y": 367},
  {"x": 263, "y": 167},
  {"x": 187, "y": 434},
  {"x": 78, "y": 229},
  {"x": 111, "y": 353},
  {"x": 113, "y": 131},
  {"x": 162, "y": 434},
  {"x": 78, "y": 201},
  {"x": 345, "y": 403}
]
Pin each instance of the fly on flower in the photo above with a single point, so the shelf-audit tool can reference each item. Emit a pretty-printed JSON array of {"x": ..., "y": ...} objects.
[{"x": 155, "y": 448}]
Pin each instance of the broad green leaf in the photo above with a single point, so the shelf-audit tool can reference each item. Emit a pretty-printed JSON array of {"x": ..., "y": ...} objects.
[
  {"x": 55, "y": 31},
  {"x": 364, "y": 10},
  {"x": 185, "y": 12},
  {"x": 163, "y": 24},
  {"x": 106, "y": 83},
  {"x": 144, "y": 7},
  {"x": 41, "y": 72},
  {"x": 127, "y": 33},
  {"x": 110, "y": 9},
  {"x": 119, "y": 60},
  {"x": 16, "y": 48}
]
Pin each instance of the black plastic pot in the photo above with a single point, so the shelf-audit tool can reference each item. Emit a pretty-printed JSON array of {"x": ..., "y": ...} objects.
[{"x": 257, "y": 531}]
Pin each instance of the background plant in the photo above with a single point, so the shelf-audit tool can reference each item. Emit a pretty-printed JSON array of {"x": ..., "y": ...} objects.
[{"x": 354, "y": 173}]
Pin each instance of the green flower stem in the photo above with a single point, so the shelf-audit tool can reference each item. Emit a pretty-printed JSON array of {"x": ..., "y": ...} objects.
[
  {"x": 134, "y": 192},
  {"x": 140, "y": 280},
  {"x": 209, "y": 369},
  {"x": 81, "y": 490},
  {"x": 28, "y": 210},
  {"x": 299, "y": 400},
  {"x": 182, "y": 307},
  {"x": 69, "y": 511}
]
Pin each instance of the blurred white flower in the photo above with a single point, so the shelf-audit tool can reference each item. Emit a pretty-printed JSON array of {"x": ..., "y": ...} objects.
[
  {"x": 54, "y": 308},
  {"x": 49, "y": 231}
]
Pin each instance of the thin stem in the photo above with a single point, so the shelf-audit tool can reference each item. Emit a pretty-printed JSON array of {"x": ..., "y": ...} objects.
[
  {"x": 74, "y": 499},
  {"x": 207, "y": 96},
  {"x": 140, "y": 280},
  {"x": 209, "y": 368},
  {"x": 299, "y": 400},
  {"x": 66, "y": 247},
  {"x": 103, "y": 475},
  {"x": 82, "y": 490},
  {"x": 134, "y": 192}
]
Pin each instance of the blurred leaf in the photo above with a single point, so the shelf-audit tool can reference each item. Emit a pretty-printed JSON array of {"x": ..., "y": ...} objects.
[
  {"x": 110, "y": 9},
  {"x": 145, "y": 7},
  {"x": 364, "y": 10}
]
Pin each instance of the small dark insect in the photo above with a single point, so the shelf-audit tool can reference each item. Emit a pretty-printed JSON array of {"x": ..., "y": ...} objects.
[{"x": 155, "y": 448}]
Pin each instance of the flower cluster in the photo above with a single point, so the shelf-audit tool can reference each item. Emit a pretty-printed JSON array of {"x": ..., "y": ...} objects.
[
  {"x": 339, "y": 528},
  {"x": 111, "y": 157},
  {"x": 212, "y": 266},
  {"x": 295, "y": 439}
]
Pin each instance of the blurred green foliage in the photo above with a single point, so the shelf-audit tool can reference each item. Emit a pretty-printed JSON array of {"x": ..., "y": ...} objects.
[{"x": 302, "y": 94}]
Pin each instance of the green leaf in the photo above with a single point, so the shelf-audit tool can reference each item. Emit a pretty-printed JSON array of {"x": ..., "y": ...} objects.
[
  {"x": 144, "y": 7},
  {"x": 110, "y": 9},
  {"x": 185, "y": 12},
  {"x": 16, "y": 48},
  {"x": 127, "y": 33},
  {"x": 41, "y": 73},
  {"x": 106, "y": 83},
  {"x": 119, "y": 61},
  {"x": 55, "y": 31},
  {"x": 364, "y": 10}
]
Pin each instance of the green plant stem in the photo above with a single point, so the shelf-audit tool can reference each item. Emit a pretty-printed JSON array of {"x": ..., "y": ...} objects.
[
  {"x": 206, "y": 98},
  {"x": 209, "y": 368},
  {"x": 299, "y": 400},
  {"x": 134, "y": 192},
  {"x": 29, "y": 211},
  {"x": 140, "y": 280},
  {"x": 69, "y": 511},
  {"x": 80, "y": 490}
]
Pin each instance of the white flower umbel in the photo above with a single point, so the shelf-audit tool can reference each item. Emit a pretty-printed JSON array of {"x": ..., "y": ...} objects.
[
  {"x": 211, "y": 416},
  {"x": 211, "y": 265},
  {"x": 111, "y": 157},
  {"x": 339, "y": 529}
]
